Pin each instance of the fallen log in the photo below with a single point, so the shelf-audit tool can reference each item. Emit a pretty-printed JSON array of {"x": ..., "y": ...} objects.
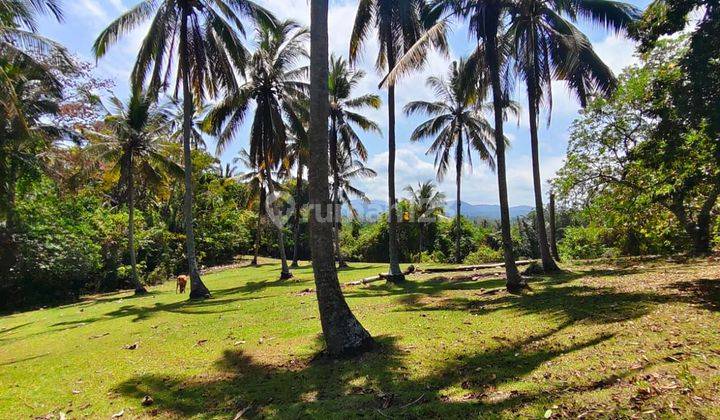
[
  {"x": 379, "y": 277},
  {"x": 471, "y": 267}
]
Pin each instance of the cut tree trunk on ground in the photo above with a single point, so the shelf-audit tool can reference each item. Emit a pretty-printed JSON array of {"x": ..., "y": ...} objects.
[{"x": 471, "y": 267}]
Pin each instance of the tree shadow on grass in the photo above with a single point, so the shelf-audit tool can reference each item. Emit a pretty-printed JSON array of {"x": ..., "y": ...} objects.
[
  {"x": 561, "y": 300},
  {"x": 705, "y": 292},
  {"x": 432, "y": 286},
  {"x": 376, "y": 384},
  {"x": 141, "y": 313}
]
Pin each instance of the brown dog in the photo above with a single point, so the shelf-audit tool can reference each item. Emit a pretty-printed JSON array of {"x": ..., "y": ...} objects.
[{"x": 181, "y": 283}]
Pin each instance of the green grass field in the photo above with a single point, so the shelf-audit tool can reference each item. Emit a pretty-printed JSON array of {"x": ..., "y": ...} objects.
[{"x": 598, "y": 341}]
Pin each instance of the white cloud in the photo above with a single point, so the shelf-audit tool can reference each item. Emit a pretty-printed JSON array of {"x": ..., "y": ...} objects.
[
  {"x": 87, "y": 17},
  {"x": 617, "y": 52}
]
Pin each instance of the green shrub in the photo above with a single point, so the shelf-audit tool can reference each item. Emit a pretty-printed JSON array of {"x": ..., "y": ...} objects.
[
  {"x": 584, "y": 243},
  {"x": 483, "y": 255}
]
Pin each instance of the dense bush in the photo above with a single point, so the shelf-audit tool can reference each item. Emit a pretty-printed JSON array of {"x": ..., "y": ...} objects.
[
  {"x": 585, "y": 242},
  {"x": 71, "y": 243},
  {"x": 369, "y": 241},
  {"x": 484, "y": 254}
]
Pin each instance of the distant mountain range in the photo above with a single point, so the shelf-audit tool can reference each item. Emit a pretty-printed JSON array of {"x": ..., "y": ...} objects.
[{"x": 370, "y": 211}]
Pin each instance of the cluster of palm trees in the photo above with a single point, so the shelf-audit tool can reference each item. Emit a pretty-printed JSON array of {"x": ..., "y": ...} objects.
[
  {"x": 196, "y": 50},
  {"x": 534, "y": 41}
]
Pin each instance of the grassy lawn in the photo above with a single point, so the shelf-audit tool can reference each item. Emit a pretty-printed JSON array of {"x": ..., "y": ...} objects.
[{"x": 641, "y": 339}]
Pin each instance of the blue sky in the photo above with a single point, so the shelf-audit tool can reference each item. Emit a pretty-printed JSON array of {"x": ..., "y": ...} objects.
[{"x": 84, "y": 19}]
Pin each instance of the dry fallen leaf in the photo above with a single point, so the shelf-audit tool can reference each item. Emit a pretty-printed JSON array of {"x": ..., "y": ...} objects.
[{"x": 242, "y": 412}]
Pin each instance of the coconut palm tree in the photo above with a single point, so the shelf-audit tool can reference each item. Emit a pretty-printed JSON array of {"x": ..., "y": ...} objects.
[
  {"x": 277, "y": 86},
  {"x": 132, "y": 143},
  {"x": 343, "y": 117},
  {"x": 457, "y": 125},
  {"x": 178, "y": 119},
  {"x": 486, "y": 19},
  {"x": 343, "y": 333},
  {"x": 348, "y": 169},
  {"x": 19, "y": 39},
  {"x": 298, "y": 156},
  {"x": 400, "y": 24},
  {"x": 427, "y": 202},
  {"x": 545, "y": 44},
  {"x": 198, "y": 42},
  {"x": 257, "y": 180}
]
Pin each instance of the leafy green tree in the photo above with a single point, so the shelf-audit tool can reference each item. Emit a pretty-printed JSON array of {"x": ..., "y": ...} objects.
[
  {"x": 203, "y": 36},
  {"x": 696, "y": 92},
  {"x": 638, "y": 148},
  {"x": 342, "y": 332},
  {"x": 25, "y": 137},
  {"x": 546, "y": 44},
  {"x": 427, "y": 202},
  {"x": 277, "y": 86},
  {"x": 344, "y": 140},
  {"x": 457, "y": 126},
  {"x": 400, "y": 24},
  {"x": 133, "y": 145}
]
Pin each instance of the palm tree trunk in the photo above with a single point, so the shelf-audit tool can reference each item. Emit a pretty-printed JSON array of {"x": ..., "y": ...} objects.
[
  {"x": 514, "y": 281},
  {"x": 139, "y": 288},
  {"x": 553, "y": 229},
  {"x": 258, "y": 231},
  {"x": 458, "y": 181},
  {"x": 549, "y": 265},
  {"x": 198, "y": 290},
  {"x": 343, "y": 333},
  {"x": 336, "y": 189},
  {"x": 298, "y": 207},
  {"x": 395, "y": 275},
  {"x": 8, "y": 245},
  {"x": 11, "y": 221},
  {"x": 285, "y": 270}
]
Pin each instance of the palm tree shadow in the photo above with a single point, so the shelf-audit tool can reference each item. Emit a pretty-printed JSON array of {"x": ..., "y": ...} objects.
[{"x": 378, "y": 381}]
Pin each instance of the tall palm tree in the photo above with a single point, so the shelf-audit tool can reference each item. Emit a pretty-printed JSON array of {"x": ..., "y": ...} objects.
[
  {"x": 343, "y": 117},
  {"x": 427, "y": 202},
  {"x": 343, "y": 333},
  {"x": 546, "y": 44},
  {"x": 400, "y": 24},
  {"x": 457, "y": 125},
  {"x": 298, "y": 156},
  {"x": 486, "y": 19},
  {"x": 277, "y": 86},
  {"x": 202, "y": 35},
  {"x": 133, "y": 144},
  {"x": 257, "y": 180}
]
